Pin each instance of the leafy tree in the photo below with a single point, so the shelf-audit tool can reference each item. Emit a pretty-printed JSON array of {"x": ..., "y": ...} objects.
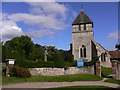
[
  {"x": 22, "y": 45},
  {"x": 58, "y": 60},
  {"x": 39, "y": 52},
  {"x": 51, "y": 52},
  {"x": 117, "y": 46},
  {"x": 69, "y": 58}
]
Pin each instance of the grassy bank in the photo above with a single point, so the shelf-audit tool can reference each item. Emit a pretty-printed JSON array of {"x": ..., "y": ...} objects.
[
  {"x": 113, "y": 81},
  {"x": 82, "y": 88},
  {"x": 65, "y": 78},
  {"x": 106, "y": 71}
]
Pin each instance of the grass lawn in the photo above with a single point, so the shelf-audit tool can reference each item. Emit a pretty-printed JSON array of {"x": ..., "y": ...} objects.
[
  {"x": 113, "y": 81},
  {"x": 82, "y": 88},
  {"x": 106, "y": 71},
  {"x": 65, "y": 78}
]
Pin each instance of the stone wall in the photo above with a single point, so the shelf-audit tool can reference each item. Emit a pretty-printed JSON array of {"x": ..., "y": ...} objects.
[
  {"x": 80, "y": 38},
  {"x": 116, "y": 69},
  {"x": 61, "y": 71}
]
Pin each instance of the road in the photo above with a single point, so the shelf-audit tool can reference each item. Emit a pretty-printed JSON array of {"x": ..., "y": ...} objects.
[{"x": 59, "y": 84}]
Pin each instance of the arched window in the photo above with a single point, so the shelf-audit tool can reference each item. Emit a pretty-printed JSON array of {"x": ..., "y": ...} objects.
[
  {"x": 103, "y": 57},
  {"x": 84, "y": 27},
  {"x": 81, "y": 54},
  {"x": 83, "y": 51}
]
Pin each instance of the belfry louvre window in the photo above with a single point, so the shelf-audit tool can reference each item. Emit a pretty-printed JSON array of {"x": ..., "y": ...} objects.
[
  {"x": 84, "y": 27},
  {"x": 83, "y": 51}
]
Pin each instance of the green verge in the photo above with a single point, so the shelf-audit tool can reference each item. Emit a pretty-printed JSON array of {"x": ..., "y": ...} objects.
[
  {"x": 106, "y": 71},
  {"x": 63, "y": 78},
  {"x": 113, "y": 81},
  {"x": 81, "y": 88}
]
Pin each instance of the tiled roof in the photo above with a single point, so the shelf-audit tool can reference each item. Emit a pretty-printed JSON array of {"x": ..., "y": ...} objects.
[
  {"x": 82, "y": 18},
  {"x": 114, "y": 54}
]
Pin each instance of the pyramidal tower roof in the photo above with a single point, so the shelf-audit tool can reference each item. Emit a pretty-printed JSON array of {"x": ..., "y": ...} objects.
[{"x": 82, "y": 18}]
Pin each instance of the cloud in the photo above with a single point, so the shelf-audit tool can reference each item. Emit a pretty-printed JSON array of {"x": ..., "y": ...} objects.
[
  {"x": 74, "y": 14},
  {"x": 114, "y": 35},
  {"x": 45, "y": 21},
  {"x": 10, "y": 29},
  {"x": 48, "y": 8},
  {"x": 45, "y": 18},
  {"x": 49, "y": 15},
  {"x": 40, "y": 33}
]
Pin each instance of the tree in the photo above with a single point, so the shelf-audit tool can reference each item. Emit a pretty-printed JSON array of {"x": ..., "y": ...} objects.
[
  {"x": 58, "y": 60},
  {"x": 117, "y": 46},
  {"x": 39, "y": 52},
  {"x": 21, "y": 45},
  {"x": 69, "y": 58}
]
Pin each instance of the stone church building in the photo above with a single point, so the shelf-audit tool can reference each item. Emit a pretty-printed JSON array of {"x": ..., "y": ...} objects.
[{"x": 84, "y": 47}]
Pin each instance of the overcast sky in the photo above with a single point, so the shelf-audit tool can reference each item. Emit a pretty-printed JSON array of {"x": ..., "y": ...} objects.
[{"x": 51, "y": 23}]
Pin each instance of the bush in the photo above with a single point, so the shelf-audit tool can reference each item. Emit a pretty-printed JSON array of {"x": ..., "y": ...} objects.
[
  {"x": 94, "y": 60},
  {"x": 20, "y": 72},
  {"x": 69, "y": 64},
  {"x": 58, "y": 60},
  {"x": 69, "y": 58},
  {"x": 3, "y": 72},
  {"x": 37, "y": 64}
]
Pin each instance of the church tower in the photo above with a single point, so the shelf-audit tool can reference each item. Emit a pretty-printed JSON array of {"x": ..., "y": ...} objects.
[{"x": 82, "y": 37}]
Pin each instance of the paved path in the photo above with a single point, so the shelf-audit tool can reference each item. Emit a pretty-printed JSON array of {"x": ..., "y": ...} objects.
[{"x": 59, "y": 84}]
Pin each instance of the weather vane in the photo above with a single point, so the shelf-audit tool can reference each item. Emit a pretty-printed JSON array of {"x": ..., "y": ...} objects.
[{"x": 81, "y": 7}]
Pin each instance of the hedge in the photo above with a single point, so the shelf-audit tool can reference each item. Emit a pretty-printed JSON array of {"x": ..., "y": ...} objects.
[
  {"x": 20, "y": 72},
  {"x": 92, "y": 62}
]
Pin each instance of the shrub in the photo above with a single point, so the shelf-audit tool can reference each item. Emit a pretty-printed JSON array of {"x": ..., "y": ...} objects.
[
  {"x": 69, "y": 58},
  {"x": 94, "y": 60},
  {"x": 38, "y": 64},
  {"x": 20, "y": 72},
  {"x": 3, "y": 72},
  {"x": 69, "y": 64},
  {"x": 58, "y": 60}
]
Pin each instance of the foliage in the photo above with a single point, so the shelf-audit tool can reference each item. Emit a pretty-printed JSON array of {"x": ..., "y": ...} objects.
[
  {"x": 69, "y": 58},
  {"x": 117, "y": 46},
  {"x": 3, "y": 72},
  {"x": 22, "y": 46},
  {"x": 69, "y": 64},
  {"x": 58, "y": 60},
  {"x": 37, "y": 64},
  {"x": 27, "y": 54},
  {"x": 67, "y": 78},
  {"x": 20, "y": 72},
  {"x": 94, "y": 60},
  {"x": 106, "y": 71}
]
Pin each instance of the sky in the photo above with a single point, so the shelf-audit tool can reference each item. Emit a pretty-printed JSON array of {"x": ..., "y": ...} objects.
[{"x": 50, "y": 23}]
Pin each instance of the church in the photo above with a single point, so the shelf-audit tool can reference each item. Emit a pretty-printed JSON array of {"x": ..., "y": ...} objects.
[{"x": 84, "y": 47}]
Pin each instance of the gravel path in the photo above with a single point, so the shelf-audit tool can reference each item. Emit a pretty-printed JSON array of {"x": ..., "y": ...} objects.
[{"x": 59, "y": 84}]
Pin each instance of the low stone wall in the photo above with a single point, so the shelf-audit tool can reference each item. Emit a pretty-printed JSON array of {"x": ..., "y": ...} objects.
[
  {"x": 61, "y": 71},
  {"x": 46, "y": 71}
]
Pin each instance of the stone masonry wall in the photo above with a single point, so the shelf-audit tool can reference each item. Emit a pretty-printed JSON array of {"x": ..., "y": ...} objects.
[
  {"x": 116, "y": 69},
  {"x": 61, "y": 71}
]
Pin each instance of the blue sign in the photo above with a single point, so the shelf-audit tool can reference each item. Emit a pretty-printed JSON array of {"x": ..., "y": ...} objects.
[{"x": 80, "y": 63}]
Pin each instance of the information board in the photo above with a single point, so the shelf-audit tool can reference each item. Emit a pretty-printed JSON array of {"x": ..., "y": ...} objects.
[{"x": 80, "y": 63}]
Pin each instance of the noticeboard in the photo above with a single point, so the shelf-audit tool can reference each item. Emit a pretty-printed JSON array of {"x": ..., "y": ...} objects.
[
  {"x": 80, "y": 63},
  {"x": 11, "y": 62}
]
